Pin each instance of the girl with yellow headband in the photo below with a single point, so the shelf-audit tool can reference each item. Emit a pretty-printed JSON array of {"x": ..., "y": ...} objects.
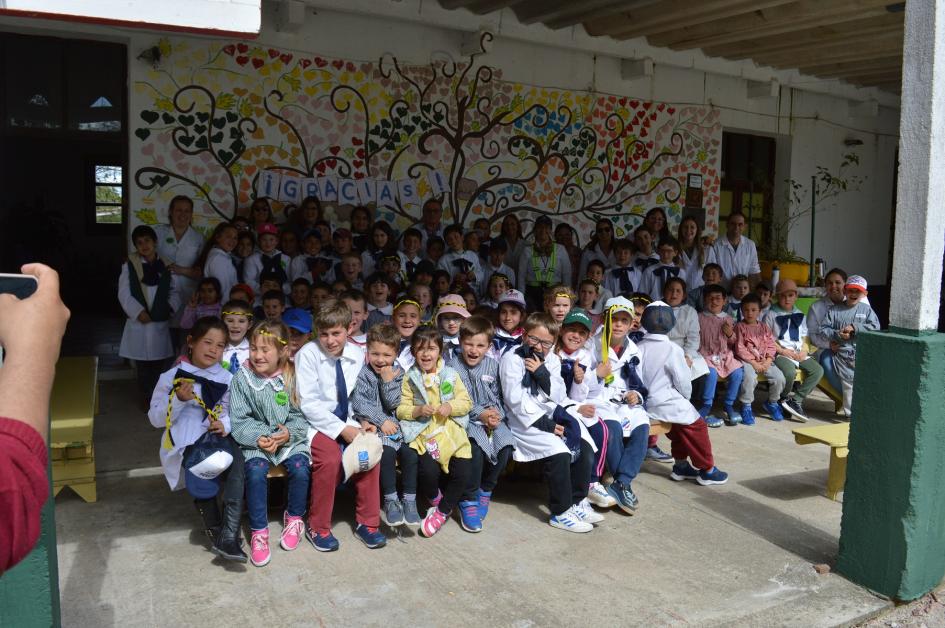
[{"x": 559, "y": 300}]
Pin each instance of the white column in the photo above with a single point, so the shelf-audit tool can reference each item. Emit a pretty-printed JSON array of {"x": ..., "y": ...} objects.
[{"x": 920, "y": 205}]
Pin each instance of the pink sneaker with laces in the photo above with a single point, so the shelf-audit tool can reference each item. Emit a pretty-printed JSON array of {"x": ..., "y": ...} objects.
[
  {"x": 291, "y": 532},
  {"x": 259, "y": 548},
  {"x": 432, "y": 522}
]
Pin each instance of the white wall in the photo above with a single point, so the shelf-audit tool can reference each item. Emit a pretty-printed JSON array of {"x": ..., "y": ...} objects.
[{"x": 854, "y": 235}]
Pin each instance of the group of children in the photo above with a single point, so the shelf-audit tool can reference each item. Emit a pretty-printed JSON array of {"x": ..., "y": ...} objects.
[{"x": 422, "y": 382}]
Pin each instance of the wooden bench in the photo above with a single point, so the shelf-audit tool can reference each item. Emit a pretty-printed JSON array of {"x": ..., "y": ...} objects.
[
  {"x": 831, "y": 392},
  {"x": 72, "y": 408},
  {"x": 836, "y": 437}
]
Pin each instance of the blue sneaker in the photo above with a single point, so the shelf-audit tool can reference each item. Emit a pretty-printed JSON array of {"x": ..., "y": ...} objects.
[
  {"x": 713, "y": 421},
  {"x": 469, "y": 516},
  {"x": 705, "y": 410},
  {"x": 713, "y": 476},
  {"x": 732, "y": 417},
  {"x": 411, "y": 516},
  {"x": 371, "y": 537},
  {"x": 626, "y": 500},
  {"x": 485, "y": 498},
  {"x": 748, "y": 417},
  {"x": 323, "y": 543},
  {"x": 392, "y": 513},
  {"x": 684, "y": 471},
  {"x": 657, "y": 454},
  {"x": 773, "y": 409}
]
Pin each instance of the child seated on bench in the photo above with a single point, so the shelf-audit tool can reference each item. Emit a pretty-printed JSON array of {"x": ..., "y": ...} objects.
[
  {"x": 271, "y": 430},
  {"x": 668, "y": 381},
  {"x": 755, "y": 347},
  {"x": 841, "y": 325},
  {"x": 716, "y": 344}
]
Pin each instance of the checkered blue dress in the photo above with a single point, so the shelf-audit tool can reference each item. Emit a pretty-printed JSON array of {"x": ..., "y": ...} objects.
[{"x": 482, "y": 382}]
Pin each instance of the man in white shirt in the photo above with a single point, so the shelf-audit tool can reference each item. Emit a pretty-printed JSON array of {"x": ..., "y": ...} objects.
[{"x": 735, "y": 253}]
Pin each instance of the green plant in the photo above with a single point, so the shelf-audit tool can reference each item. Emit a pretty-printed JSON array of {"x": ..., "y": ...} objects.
[{"x": 798, "y": 203}]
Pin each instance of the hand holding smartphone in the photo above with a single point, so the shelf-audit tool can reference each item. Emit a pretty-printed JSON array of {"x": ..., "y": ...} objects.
[{"x": 20, "y": 286}]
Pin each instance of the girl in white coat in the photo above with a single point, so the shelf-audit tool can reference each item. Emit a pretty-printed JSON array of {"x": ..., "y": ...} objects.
[
  {"x": 191, "y": 404},
  {"x": 543, "y": 428},
  {"x": 667, "y": 378},
  {"x": 217, "y": 257},
  {"x": 147, "y": 291}
]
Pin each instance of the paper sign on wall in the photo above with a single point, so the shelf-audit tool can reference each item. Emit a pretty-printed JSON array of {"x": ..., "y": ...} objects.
[
  {"x": 408, "y": 192},
  {"x": 438, "y": 183},
  {"x": 309, "y": 188},
  {"x": 366, "y": 191},
  {"x": 268, "y": 184},
  {"x": 386, "y": 194},
  {"x": 289, "y": 190},
  {"x": 328, "y": 186},
  {"x": 347, "y": 192}
]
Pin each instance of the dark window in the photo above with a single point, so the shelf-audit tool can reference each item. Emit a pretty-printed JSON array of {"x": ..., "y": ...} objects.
[{"x": 748, "y": 181}]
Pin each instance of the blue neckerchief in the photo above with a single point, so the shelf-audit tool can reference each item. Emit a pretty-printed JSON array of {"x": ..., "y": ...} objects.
[
  {"x": 572, "y": 431},
  {"x": 273, "y": 264},
  {"x": 630, "y": 376},
  {"x": 505, "y": 343},
  {"x": 151, "y": 271},
  {"x": 623, "y": 276},
  {"x": 567, "y": 372},
  {"x": 635, "y": 336},
  {"x": 464, "y": 265},
  {"x": 645, "y": 262},
  {"x": 211, "y": 392},
  {"x": 533, "y": 382},
  {"x": 790, "y": 323}
]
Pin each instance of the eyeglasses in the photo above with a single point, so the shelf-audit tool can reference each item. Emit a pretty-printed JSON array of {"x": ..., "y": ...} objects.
[{"x": 544, "y": 344}]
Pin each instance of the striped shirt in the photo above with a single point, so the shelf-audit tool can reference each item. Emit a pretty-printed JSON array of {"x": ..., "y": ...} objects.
[
  {"x": 255, "y": 411},
  {"x": 376, "y": 401},
  {"x": 482, "y": 382}
]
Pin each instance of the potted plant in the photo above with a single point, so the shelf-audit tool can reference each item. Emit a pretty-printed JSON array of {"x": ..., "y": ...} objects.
[{"x": 804, "y": 201}]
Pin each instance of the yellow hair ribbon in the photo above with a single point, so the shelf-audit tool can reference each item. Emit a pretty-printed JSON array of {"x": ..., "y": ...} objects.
[
  {"x": 563, "y": 295},
  {"x": 263, "y": 332},
  {"x": 213, "y": 415},
  {"x": 403, "y": 302},
  {"x": 249, "y": 314},
  {"x": 440, "y": 306}
]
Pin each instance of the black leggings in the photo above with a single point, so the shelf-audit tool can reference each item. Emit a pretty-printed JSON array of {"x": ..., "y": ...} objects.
[
  {"x": 408, "y": 470},
  {"x": 568, "y": 481},
  {"x": 482, "y": 473},
  {"x": 455, "y": 483}
]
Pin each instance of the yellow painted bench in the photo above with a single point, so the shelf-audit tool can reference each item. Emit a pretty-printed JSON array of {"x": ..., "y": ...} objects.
[
  {"x": 831, "y": 392},
  {"x": 836, "y": 437},
  {"x": 72, "y": 408}
]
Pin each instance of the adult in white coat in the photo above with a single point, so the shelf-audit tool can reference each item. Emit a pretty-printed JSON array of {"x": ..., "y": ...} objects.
[
  {"x": 543, "y": 428},
  {"x": 667, "y": 378},
  {"x": 180, "y": 244},
  {"x": 736, "y": 254}
]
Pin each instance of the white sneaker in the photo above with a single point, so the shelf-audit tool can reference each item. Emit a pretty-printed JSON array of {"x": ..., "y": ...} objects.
[
  {"x": 569, "y": 520},
  {"x": 599, "y": 496},
  {"x": 585, "y": 513}
]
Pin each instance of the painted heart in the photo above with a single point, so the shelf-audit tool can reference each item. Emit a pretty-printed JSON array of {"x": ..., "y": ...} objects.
[
  {"x": 273, "y": 53},
  {"x": 643, "y": 132},
  {"x": 242, "y": 47},
  {"x": 320, "y": 167},
  {"x": 647, "y": 105},
  {"x": 338, "y": 64},
  {"x": 661, "y": 106},
  {"x": 320, "y": 62},
  {"x": 653, "y": 117},
  {"x": 671, "y": 110},
  {"x": 634, "y": 104},
  {"x": 358, "y": 175},
  {"x": 143, "y": 134},
  {"x": 285, "y": 57},
  {"x": 334, "y": 150},
  {"x": 257, "y": 62},
  {"x": 150, "y": 116},
  {"x": 331, "y": 163},
  {"x": 305, "y": 63},
  {"x": 357, "y": 163},
  {"x": 357, "y": 141},
  {"x": 635, "y": 166},
  {"x": 249, "y": 170},
  {"x": 350, "y": 67},
  {"x": 230, "y": 49}
]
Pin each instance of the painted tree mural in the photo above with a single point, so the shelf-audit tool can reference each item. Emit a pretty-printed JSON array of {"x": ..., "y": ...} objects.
[{"x": 215, "y": 116}]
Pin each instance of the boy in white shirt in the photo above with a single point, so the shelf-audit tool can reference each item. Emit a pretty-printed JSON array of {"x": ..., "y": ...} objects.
[{"x": 326, "y": 372}]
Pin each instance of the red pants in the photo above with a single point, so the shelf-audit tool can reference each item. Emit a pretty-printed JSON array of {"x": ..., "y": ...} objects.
[
  {"x": 327, "y": 474},
  {"x": 692, "y": 441}
]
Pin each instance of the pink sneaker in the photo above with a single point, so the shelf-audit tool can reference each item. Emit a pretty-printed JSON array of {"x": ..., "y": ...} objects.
[
  {"x": 291, "y": 532},
  {"x": 259, "y": 548},
  {"x": 432, "y": 522},
  {"x": 436, "y": 500}
]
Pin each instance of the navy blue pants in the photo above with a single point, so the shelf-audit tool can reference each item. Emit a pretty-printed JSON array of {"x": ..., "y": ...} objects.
[{"x": 257, "y": 490}]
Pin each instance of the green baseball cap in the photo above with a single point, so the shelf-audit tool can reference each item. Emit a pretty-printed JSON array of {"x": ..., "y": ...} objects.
[{"x": 579, "y": 316}]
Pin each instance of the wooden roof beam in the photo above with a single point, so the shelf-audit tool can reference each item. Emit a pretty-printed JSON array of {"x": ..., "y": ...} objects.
[
  {"x": 479, "y": 7},
  {"x": 532, "y": 11},
  {"x": 580, "y": 13},
  {"x": 877, "y": 79},
  {"x": 774, "y": 21},
  {"x": 673, "y": 14},
  {"x": 829, "y": 66},
  {"x": 865, "y": 70},
  {"x": 841, "y": 54},
  {"x": 850, "y": 32}
]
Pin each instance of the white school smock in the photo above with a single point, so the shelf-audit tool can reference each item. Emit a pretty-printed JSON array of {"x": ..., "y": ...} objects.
[
  {"x": 692, "y": 268},
  {"x": 653, "y": 285},
  {"x": 188, "y": 420},
  {"x": 741, "y": 261},
  {"x": 238, "y": 353},
  {"x": 253, "y": 267},
  {"x": 589, "y": 255},
  {"x": 522, "y": 409},
  {"x": 685, "y": 333},
  {"x": 219, "y": 264},
  {"x": 666, "y": 377},
  {"x": 446, "y": 263},
  {"x": 315, "y": 382},
  {"x": 579, "y": 393},
  {"x": 145, "y": 341},
  {"x": 612, "y": 280},
  {"x": 630, "y": 417},
  {"x": 183, "y": 252}
]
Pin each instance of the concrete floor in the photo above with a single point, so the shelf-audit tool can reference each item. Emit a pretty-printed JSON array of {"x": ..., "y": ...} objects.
[{"x": 740, "y": 554}]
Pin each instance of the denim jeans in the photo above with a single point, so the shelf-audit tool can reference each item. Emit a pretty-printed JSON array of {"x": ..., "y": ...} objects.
[
  {"x": 257, "y": 488},
  {"x": 825, "y": 357}
]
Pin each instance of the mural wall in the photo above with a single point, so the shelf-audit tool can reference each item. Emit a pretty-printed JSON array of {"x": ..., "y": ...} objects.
[{"x": 213, "y": 118}]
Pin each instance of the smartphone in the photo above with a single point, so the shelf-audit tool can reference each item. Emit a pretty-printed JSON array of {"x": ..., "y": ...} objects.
[{"x": 20, "y": 286}]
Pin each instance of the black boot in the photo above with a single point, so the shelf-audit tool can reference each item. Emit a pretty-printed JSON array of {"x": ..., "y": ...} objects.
[
  {"x": 210, "y": 512},
  {"x": 228, "y": 544}
]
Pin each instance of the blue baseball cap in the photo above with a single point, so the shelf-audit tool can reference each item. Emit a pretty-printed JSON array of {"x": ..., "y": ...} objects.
[{"x": 298, "y": 319}]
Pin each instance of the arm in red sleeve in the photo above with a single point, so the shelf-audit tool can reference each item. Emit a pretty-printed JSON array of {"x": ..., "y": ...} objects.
[{"x": 24, "y": 487}]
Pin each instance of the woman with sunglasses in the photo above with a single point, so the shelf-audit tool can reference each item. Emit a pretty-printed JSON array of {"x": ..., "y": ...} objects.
[{"x": 600, "y": 247}]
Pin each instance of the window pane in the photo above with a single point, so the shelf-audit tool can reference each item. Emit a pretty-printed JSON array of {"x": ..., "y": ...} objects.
[
  {"x": 95, "y": 85},
  {"x": 33, "y": 78},
  {"x": 108, "y": 214},
  {"x": 107, "y": 194},
  {"x": 108, "y": 174}
]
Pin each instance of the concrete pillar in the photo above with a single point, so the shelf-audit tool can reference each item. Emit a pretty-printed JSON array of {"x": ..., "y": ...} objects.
[
  {"x": 892, "y": 537},
  {"x": 29, "y": 593}
]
